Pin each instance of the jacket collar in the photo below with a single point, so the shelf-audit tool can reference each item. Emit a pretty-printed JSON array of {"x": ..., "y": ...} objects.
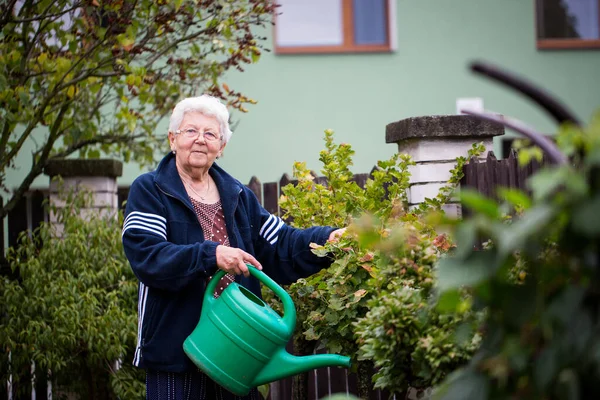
[{"x": 168, "y": 180}]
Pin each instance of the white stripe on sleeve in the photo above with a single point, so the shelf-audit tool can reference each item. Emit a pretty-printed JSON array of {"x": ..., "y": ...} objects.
[
  {"x": 270, "y": 229},
  {"x": 153, "y": 223}
]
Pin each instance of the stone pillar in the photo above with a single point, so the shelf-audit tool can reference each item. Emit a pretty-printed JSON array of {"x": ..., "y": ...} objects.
[
  {"x": 96, "y": 175},
  {"x": 434, "y": 143}
]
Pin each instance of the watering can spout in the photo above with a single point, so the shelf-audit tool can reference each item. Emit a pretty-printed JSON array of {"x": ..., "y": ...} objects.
[{"x": 284, "y": 364}]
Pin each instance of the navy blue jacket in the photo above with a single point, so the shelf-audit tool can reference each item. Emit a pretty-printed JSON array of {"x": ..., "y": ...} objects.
[{"x": 165, "y": 245}]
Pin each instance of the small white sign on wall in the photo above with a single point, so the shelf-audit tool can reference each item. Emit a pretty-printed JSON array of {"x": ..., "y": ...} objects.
[{"x": 469, "y": 103}]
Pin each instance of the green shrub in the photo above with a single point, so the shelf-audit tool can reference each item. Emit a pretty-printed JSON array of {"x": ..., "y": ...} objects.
[
  {"x": 333, "y": 305},
  {"x": 72, "y": 310},
  {"x": 412, "y": 342}
]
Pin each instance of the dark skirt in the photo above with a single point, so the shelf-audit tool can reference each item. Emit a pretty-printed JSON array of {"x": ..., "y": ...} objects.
[{"x": 192, "y": 385}]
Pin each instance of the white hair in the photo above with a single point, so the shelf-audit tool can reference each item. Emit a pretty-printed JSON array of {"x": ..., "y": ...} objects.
[{"x": 205, "y": 104}]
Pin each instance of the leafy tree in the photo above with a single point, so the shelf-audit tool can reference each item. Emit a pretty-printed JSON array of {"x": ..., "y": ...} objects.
[
  {"x": 73, "y": 310},
  {"x": 95, "y": 76}
]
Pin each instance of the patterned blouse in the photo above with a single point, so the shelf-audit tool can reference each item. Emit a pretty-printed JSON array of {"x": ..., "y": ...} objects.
[{"x": 212, "y": 220}]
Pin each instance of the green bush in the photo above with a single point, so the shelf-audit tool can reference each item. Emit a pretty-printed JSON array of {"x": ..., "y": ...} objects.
[
  {"x": 72, "y": 310},
  {"x": 342, "y": 307},
  {"x": 412, "y": 342}
]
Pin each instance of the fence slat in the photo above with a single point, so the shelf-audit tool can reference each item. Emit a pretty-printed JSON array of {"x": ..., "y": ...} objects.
[
  {"x": 502, "y": 174},
  {"x": 490, "y": 174},
  {"x": 256, "y": 188},
  {"x": 271, "y": 197},
  {"x": 486, "y": 177},
  {"x": 284, "y": 181},
  {"x": 361, "y": 179}
]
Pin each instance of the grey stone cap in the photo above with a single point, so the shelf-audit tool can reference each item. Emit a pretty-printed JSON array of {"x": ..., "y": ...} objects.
[
  {"x": 441, "y": 126},
  {"x": 84, "y": 167}
]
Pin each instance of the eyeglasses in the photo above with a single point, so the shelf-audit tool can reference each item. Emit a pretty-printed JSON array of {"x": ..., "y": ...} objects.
[{"x": 192, "y": 133}]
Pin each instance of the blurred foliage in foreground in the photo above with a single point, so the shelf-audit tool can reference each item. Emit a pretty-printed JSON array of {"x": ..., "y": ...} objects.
[{"x": 542, "y": 329}]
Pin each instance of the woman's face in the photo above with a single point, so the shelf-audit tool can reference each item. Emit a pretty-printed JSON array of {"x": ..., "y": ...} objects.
[{"x": 196, "y": 152}]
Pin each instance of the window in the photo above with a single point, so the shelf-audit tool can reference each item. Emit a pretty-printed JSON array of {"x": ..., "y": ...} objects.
[
  {"x": 333, "y": 26},
  {"x": 566, "y": 24}
]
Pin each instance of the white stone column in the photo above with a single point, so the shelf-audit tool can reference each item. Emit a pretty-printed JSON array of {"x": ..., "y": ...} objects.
[
  {"x": 434, "y": 143},
  {"x": 97, "y": 176}
]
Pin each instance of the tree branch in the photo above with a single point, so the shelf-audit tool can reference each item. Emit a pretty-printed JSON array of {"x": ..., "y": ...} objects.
[
  {"x": 37, "y": 166},
  {"x": 42, "y": 17},
  {"x": 7, "y": 13},
  {"x": 4, "y": 161},
  {"x": 87, "y": 75},
  {"x": 4, "y": 140},
  {"x": 25, "y": 32},
  {"x": 26, "y": 77},
  {"x": 174, "y": 44},
  {"x": 30, "y": 46},
  {"x": 61, "y": 83},
  {"x": 108, "y": 139},
  {"x": 41, "y": 111},
  {"x": 26, "y": 4}
]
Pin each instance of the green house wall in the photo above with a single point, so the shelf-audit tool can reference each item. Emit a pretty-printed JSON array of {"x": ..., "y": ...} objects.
[{"x": 356, "y": 95}]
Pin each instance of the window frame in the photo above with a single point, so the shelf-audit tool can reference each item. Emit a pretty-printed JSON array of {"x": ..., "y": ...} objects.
[
  {"x": 562, "y": 44},
  {"x": 348, "y": 44}
]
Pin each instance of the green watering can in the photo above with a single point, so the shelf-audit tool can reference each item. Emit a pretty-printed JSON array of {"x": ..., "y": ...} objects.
[{"x": 240, "y": 341}]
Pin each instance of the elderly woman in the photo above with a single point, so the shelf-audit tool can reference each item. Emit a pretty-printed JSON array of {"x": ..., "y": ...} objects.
[{"x": 183, "y": 222}]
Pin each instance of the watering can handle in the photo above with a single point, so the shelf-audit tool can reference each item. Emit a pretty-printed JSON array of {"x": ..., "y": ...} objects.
[{"x": 289, "y": 310}]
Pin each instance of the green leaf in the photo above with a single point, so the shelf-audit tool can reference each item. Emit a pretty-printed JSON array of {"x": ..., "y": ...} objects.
[
  {"x": 565, "y": 304},
  {"x": 550, "y": 179},
  {"x": 93, "y": 154},
  {"x": 23, "y": 98},
  {"x": 463, "y": 334},
  {"x": 545, "y": 182},
  {"x": 515, "y": 197},
  {"x": 463, "y": 385},
  {"x": 479, "y": 203},
  {"x": 448, "y": 301},
  {"x": 62, "y": 64},
  {"x": 586, "y": 217},
  {"x": 130, "y": 80},
  {"x": 264, "y": 390},
  {"x": 454, "y": 273},
  {"x": 531, "y": 225},
  {"x": 466, "y": 235}
]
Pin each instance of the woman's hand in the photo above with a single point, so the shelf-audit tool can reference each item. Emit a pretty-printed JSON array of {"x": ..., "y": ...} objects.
[
  {"x": 233, "y": 260},
  {"x": 336, "y": 235}
]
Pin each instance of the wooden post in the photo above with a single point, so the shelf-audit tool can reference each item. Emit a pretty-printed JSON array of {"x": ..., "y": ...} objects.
[{"x": 256, "y": 188}]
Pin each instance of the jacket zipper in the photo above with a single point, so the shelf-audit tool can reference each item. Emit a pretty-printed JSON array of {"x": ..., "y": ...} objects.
[
  {"x": 237, "y": 200},
  {"x": 170, "y": 195},
  {"x": 178, "y": 199}
]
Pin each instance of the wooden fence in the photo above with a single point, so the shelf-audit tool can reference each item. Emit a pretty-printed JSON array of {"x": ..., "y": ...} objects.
[
  {"x": 268, "y": 193},
  {"x": 485, "y": 177}
]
